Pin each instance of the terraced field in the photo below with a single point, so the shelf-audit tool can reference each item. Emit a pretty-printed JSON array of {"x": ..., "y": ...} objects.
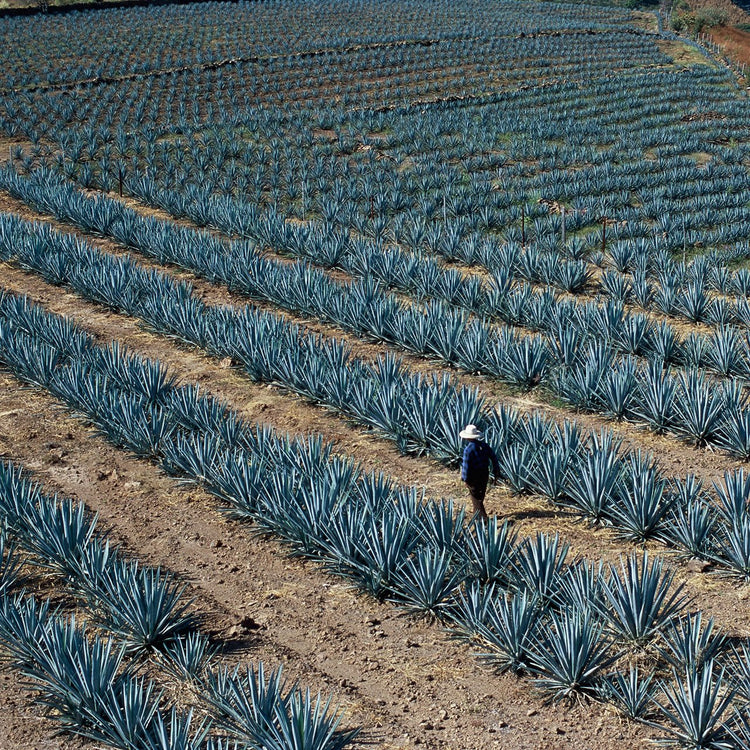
[{"x": 260, "y": 263}]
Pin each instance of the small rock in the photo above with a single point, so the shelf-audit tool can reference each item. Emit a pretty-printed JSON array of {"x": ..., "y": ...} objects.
[
  {"x": 226, "y": 362},
  {"x": 372, "y": 621},
  {"x": 502, "y": 724},
  {"x": 559, "y": 730},
  {"x": 532, "y": 712},
  {"x": 426, "y": 725},
  {"x": 443, "y": 715},
  {"x": 217, "y": 543},
  {"x": 248, "y": 623},
  {"x": 697, "y": 566}
]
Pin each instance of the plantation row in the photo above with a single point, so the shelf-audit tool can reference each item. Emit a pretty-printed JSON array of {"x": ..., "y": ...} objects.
[
  {"x": 421, "y": 415},
  {"x": 89, "y": 675},
  {"x": 563, "y": 623},
  {"x": 695, "y": 291},
  {"x": 580, "y": 365}
]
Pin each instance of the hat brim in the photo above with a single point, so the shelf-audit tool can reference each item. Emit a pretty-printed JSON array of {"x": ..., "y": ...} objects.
[{"x": 470, "y": 435}]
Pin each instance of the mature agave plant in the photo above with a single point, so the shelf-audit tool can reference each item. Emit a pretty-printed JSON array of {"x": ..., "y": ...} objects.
[
  {"x": 487, "y": 549},
  {"x": 595, "y": 477},
  {"x": 655, "y": 403},
  {"x": 699, "y": 408},
  {"x": 426, "y": 582},
  {"x": 640, "y": 600},
  {"x": 691, "y": 521},
  {"x": 538, "y": 564},
  {"x": 75, "y": 672},
  {"x": 688, "y": 643},
  {"x": 264, "y": 712},
  {"x": 693, "y": 708},
  {"x": 144, "y": 606},
  {"x": 569, "y": 656},
  {"x": 643, "y": 502},
  {"x": 508, "y": 629}
]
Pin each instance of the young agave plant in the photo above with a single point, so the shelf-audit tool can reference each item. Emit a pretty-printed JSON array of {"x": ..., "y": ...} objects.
[
  {"x": 630, "y": 692},
  {"x": 570, "y": 655},
  {"x": 688, "y": 643}
]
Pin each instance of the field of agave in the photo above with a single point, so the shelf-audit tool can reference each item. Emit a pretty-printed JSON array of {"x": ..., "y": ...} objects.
[{"x": 400, "y": 217}]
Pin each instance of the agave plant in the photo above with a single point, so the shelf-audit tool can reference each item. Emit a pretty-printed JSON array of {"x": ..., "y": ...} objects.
[
  {"x": 569, "y": 656},
  {"x": 265, "y": 712},
  {"x": 643, "y": 503},
  {"x": 487, "y": 550},
  {"x": 631, "y": 692},
  {"x": 142, "y": 605},
  {"x": 688, "y": 643},
  {"x": 508, "y": 629},
  {"x": 539, "y": 563},
  {"x": 694, "y": 706},
  {"x": 640, "y": 600},
  {"x": 426, "y": 581}
]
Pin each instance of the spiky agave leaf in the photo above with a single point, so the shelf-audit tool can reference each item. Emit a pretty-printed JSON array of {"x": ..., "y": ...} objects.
[
  {"x": 694, "y": 706},
  {"x": 570, "y": 655}
]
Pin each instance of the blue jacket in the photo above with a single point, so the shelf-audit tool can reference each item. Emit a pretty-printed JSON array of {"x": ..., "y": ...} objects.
[{"x": 476, "y": 462}]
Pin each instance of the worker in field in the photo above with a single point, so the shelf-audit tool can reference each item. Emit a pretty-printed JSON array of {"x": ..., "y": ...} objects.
[{"x": 475, "y": 467}]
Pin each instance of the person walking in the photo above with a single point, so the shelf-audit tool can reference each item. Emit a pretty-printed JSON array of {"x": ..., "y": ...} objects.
[{"x": 475, "y": 467}]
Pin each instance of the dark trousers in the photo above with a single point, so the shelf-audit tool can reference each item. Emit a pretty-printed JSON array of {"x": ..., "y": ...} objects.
[{"x": 477, "y": 490}]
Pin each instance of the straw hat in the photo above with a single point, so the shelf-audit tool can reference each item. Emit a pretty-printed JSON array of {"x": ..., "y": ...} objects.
[{"x": 470, "y": 432}]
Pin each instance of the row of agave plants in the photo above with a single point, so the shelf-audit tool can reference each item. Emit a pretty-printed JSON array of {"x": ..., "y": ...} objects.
[
  {"x": 421, "y": 415},
  {"x": 576, "y": 360},
  {"x": 621, "y": 633},
  {"x": 639, "y": 272},
  {"x": 89, "y": 674}
]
